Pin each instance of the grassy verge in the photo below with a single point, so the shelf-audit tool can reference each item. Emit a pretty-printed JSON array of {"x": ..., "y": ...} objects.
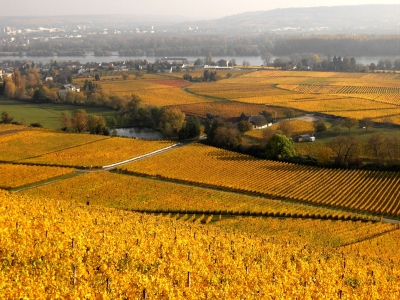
[
  {"x": 51, "y": 180},
  {"x": 47, "y": 114}
]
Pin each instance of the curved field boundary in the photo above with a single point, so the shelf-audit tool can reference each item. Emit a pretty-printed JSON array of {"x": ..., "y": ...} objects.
[
  {"x": 364, "y": 191},
  {"x": 338, "y": 89},
  {"x": 252, "y": 214},
  {"x": 339, "y": 209},
  {"x": 397, "y": 227}
]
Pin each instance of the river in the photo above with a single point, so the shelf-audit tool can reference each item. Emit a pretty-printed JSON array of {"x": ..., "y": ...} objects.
[{"x": 89, "y": 57}]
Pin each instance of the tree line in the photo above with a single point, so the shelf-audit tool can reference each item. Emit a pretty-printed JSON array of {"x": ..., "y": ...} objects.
[
  {"x": 221, "y": 45},
  {"x": 312, "y": 61},
  {"x": 342, "y": 150}
]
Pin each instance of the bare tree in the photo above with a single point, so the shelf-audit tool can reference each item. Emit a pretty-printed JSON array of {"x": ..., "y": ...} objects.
[
  {"x": 286, "y": 127},
  {"x": 368, "y": 122},
  {"x": 350, "y": 123},
  {"x": 387, "y": 122},
  {"x": 344, "y": 147},
  {"x": 266, "y": 57},
  {"x": 139, "y": 74},
  {"x": 289, "y": 113},
  {"x": 375, "y": 145},
  {"x": 337, "y": 125},
  {"x": 392, "y": 150},
  {"x": 79, "y": 120}
]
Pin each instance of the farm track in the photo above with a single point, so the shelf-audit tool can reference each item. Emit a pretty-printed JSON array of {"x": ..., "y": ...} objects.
[
  {"x": 206, "y": 186},
  {"x": 11, "y": 131},
  {"x": 45, "y": 182}
]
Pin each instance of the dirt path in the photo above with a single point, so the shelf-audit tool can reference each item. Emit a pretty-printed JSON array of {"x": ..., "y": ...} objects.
[
  {"x": 41, "y": 183},
  {"x": 10, "y": 131}
]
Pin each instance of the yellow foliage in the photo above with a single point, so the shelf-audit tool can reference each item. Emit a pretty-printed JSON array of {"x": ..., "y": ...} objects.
[
  {"x": 100, "y": 153},
  {"x": 32, "y": 143},
  {"x": 115, "y": 190},
  {"x": 59, "y": 249},
  {"x": 353, "y": 189},
  {"x": 13, "y": 176},
  {"x": 9, "y": 127}
]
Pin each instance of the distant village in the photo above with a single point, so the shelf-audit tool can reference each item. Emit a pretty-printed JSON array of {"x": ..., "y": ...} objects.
[{"x": 59, "y": 71}]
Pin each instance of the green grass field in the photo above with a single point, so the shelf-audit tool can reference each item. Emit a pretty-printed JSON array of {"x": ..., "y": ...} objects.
[
  {"x": 45, "y": 113},
  {"x": 362, "y": 133}
]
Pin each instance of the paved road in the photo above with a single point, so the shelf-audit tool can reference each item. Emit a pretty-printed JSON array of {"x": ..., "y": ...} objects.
[
  {"x": 144, "y": 156},
  {"x": 386, "y": 220}
]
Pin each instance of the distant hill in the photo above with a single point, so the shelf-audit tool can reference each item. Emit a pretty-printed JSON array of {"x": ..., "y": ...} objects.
[
  {"x": 123, "y": 19},
  {"x": 377, "y": 18},
  {"x": 368, "y": 18}
]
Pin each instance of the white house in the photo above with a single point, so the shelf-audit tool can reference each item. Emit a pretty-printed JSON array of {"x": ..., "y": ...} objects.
[
  {"x": 68, "y": 88},
  {"x": 258, "y": 121}
]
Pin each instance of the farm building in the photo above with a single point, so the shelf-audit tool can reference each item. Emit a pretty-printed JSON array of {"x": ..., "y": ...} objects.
[
  {"x": 68, "y": 88},
  {"x": 304, "y": 138}
]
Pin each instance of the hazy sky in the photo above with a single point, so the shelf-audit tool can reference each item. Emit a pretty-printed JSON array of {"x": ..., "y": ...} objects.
[{"x": 198, "y": 9}]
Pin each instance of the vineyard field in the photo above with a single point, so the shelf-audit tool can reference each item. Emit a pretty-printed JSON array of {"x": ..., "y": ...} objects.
[
  {"x": 70, "y": 250},
  {"x": 339, "y": 89},
  {"x": 33, "y": 143},
  {"x": 298, "y": 126},
  {"x": 198, "y": 222},
  {"x": 153, "y": 92},
  {"x": 383, "y": 247},
  {"x": 20, "y": 175},
  {"x": 141, "y": 194},
  {"x": 228, "y": 109},
  {"x": 319, "y": 233},
  {"x": 342, "y": 107},
  {"x": 10, "y": 127},
  {"x": 366, "y": 191},
  {"x": 328, "y": 92},
  {"x": 99, "y": 153}
]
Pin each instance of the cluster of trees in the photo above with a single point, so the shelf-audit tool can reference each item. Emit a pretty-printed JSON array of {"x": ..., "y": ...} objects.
[
  {"x": 79, "y": 121},
  {"x": 6, "y": 118},
  {"x": 312, "y": 61},
  {"x": 343, "y": 150},
  {"x": 27, "y": 83},
  {"x": 154, "y": 45},
  {"x": 48, "y": 52},
  {"x": 99, "y": 52},
  {"x": 385, "y": 64},
  {"x": 207, "y": 76},
  {"x": 170, "y": 121},
  {"x": 221, "y": 45},
  {"x": 276, "y": 145},
  {"x": 348, "y": 150},
  {"x": 224, "y": 135},
  {"x": 40, "y": 52}
]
